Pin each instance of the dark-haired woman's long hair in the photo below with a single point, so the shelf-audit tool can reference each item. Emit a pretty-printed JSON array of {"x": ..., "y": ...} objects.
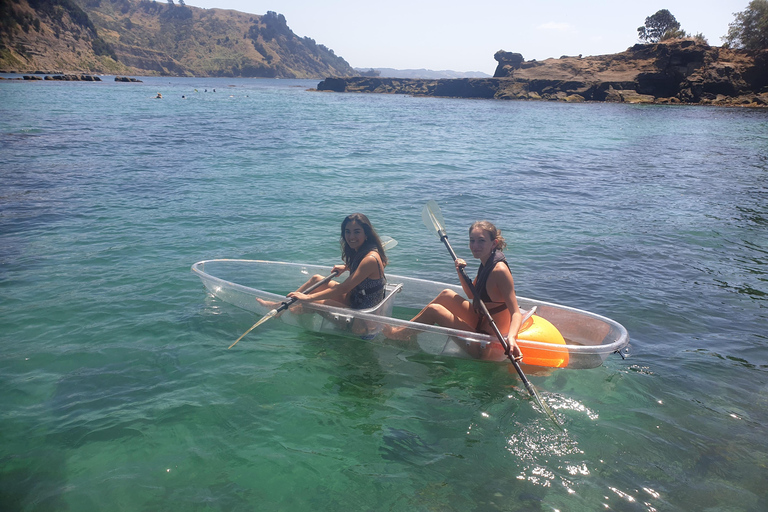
[{"x": 372, "y": 242}]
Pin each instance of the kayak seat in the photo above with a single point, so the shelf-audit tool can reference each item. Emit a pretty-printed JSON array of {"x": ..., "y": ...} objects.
[{"x": 368, "y": 330}]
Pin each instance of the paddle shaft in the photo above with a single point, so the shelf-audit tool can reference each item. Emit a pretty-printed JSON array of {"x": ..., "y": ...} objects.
[
  {"x": 288, "y": 303},
  {"x": 484, "y": 310},
  {"x": 387, "y": 243},
  {"x": 285, "y": 305},
  {"x": 433, "y": 219},
  {"x": 504, "y": 342}
]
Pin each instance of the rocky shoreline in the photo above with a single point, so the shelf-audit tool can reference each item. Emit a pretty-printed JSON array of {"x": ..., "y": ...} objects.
[
  {"x": 70, "y": 78},
  {"x": 62, "y": 78},
  {"x": 676, "y": 72}
]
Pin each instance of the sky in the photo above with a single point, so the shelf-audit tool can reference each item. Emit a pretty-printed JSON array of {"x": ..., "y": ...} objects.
[{"x": 464, "y": 36}]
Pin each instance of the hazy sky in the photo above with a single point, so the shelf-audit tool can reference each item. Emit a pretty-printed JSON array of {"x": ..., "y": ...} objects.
[{"x": 463, "y": 36}]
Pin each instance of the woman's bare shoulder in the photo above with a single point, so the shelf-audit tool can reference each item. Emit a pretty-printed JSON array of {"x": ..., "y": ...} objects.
[
  {"x": 501, "y": 274},
  {"x": 373, "y": 263},
  {"x": 371, "y": 260},
  {"x": 501, "y": 269}
]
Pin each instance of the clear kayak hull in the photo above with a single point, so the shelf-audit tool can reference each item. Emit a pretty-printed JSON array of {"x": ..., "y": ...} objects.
[{"x": 587, "y": 339}]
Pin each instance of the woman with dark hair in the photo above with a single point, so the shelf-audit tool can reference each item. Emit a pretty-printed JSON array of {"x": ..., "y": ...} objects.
[
  {"x": 364, "y": 258},
  {"x": 494, "y": 286}
]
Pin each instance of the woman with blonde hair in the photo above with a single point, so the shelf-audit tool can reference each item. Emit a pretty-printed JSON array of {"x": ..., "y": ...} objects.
[{"x": 494, "y": 286}]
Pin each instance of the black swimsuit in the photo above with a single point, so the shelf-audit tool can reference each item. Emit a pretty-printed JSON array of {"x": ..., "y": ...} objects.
[
  {"x": 370, "y": 291},
  {"x": 481, "y": 281}
]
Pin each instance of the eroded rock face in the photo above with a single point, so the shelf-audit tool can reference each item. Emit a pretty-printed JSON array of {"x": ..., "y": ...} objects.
[
  {"x": 334, "y": 84},
  {"x": 680, "y": 71},
  {"x": 508, "y": 62},
  {"x": 687, "y": 70}
]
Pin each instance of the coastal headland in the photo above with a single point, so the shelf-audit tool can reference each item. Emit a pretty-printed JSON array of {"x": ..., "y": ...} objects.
[{"x": 683, "y": 71}]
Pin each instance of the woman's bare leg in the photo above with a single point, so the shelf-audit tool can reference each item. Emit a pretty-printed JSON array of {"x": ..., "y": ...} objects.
[
  {"x": 448, "y": 309},
  {"x": 313, "y": 280}
]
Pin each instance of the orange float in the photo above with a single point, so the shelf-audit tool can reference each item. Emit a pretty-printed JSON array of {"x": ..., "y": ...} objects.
[{"x": 540, "y": 330}]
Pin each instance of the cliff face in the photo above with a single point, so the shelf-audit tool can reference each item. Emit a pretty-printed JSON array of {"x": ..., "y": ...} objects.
[
  {"x": 146, "y": 37},
  {"x": 681, "y": 71},
  {"x": 49, "y": 35}
]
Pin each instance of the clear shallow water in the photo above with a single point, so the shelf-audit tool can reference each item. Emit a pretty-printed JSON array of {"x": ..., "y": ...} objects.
[{"x": 117, "y": 391}]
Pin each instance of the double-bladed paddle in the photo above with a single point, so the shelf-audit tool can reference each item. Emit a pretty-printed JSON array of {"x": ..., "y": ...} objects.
[
  {"x": 386, "y": 241},
  {"x": 433, "y": 219}
]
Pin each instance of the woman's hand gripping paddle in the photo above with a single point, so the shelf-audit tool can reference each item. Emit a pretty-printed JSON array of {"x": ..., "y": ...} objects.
[
  {"x": 283, "y": 306},
  {"x": 433, "y": 219},
  {"x": 386, "y": 242}
]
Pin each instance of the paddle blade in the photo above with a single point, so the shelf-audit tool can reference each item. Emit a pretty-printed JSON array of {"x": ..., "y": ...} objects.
[
  {"x": 388, "y": 242},
  {"x": 263, "y": 319},
  {"x": 433, "y": 217},
  {"x": 544, "y": 406}
]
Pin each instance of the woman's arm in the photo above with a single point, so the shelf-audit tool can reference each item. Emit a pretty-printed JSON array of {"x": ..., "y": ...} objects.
[
  {"x": 460, "y": 265},
  {"x": 502, "y": 277},
  {"x": 368, "y": 267},
  {"x": 339, "y": 269}
]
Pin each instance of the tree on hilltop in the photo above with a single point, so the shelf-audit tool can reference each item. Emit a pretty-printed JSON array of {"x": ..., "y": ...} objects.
[
  {"x": 750, "y": 28},
  {"x": 659, "y": 27}
]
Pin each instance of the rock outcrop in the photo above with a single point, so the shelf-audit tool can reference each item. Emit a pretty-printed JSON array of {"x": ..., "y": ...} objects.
[
  {"x": 63, "y": 78},
  {"x": 449, "y": 87},
  {"x": 73, "y": 78},
  {"x": 680, "y": 71}
]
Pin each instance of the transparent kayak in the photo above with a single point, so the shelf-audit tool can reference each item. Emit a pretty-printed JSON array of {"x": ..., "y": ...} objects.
[{"x": 587, "y": 338}]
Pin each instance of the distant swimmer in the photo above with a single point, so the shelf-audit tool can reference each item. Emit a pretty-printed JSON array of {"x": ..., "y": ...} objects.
[
  {"x": 183, "y": 97},
  {"x": 159, "y": 96}
]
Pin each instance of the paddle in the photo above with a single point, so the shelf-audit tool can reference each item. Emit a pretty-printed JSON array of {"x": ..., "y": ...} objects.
[
  {"x": 433, "y": 219},
  {"x": 284, "y": 305},
  {"x": 386, "y": 241}
]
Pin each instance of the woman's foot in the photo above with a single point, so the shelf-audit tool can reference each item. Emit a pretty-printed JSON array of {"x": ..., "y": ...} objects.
[
  {"x": 295, "y": 308},
  {"x": 399, "y": 333},
  {"x": 268, "y": 303}
]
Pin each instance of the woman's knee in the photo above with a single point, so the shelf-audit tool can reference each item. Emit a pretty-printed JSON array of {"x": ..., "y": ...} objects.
[
  {"x": 446, "y": 295},
  {"x": 432, "y": 312}
]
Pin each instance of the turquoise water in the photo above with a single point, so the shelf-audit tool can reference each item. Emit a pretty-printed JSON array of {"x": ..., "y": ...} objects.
[{"x": 116, "y": 388}]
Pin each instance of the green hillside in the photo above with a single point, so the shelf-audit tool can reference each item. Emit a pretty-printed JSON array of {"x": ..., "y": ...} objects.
[{"x": 146, "y": 37}]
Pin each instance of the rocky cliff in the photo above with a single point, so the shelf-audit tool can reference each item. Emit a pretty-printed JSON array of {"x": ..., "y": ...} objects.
[
  {"x": 680, "y": 71},
  {"x": 145, "y": 37}
]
